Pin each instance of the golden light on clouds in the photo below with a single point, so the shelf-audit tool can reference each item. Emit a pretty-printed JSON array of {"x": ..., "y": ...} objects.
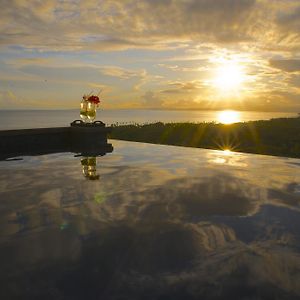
[
  {"x": 229, "y": 117},
  {"x": 193, "y": 54}
]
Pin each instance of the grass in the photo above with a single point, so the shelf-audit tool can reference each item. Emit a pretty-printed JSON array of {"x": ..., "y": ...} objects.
[{"x": 280, "y": 137}]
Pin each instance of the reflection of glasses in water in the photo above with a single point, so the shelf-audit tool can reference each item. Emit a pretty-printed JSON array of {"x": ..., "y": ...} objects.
[{"x": 89, "y": 168}]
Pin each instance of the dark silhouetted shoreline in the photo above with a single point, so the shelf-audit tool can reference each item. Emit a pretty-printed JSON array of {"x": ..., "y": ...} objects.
[{"x": 279, "y": 137}]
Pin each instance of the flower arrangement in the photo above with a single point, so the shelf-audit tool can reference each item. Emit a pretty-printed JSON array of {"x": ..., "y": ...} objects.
[
  {"x": 88, "y": 107},
  {"x": 91, "y": 98}
]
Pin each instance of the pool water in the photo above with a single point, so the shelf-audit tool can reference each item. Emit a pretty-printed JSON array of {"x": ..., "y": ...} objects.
[{"x": 157, "y": 222}]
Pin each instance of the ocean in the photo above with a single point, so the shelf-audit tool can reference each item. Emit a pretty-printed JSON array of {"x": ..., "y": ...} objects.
[{"x": 21, "y": 119}]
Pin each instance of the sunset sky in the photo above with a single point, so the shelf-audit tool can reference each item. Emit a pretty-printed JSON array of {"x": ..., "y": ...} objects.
[{"x": 162, "y": 54}]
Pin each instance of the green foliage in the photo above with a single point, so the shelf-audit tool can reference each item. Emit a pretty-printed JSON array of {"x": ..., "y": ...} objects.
[{"x": 279, "y": 137}]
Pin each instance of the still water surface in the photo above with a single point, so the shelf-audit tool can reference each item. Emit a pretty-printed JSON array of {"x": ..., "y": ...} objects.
[
  {"x": 162, "y": 222},
  {"x": 58, "y": 118}
]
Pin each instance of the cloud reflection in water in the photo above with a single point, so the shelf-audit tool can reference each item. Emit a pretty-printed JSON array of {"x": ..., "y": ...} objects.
[{"x": 171, "y": 223}]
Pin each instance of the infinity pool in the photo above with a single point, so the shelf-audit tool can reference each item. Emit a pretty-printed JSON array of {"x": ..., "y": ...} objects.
[{"x": 156, "y": 222}]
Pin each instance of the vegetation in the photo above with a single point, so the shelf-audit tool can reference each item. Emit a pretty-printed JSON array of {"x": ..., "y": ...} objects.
[{"x": 279, "y": 137}]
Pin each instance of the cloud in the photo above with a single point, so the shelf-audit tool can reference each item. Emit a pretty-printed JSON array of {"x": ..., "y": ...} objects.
[
  {"x": 177, "y": 68},
  {"x": 294, "y": 81},
  {"x": 289, "y": 20},
  {"x": 132, "y": 46},
  {"x": 152, "y": 100},
  {"x": 7, "y": 99},
  {"x": 119, "y": 25},
  {"x": 99, "y": 86},
  {"x": 10, "y": 100},
  {"x": 287, "y": 65},
  {"x": 183, "y": 87},
  {"x": 120, "y": 72},
  {"x": 68, "y": 70},
  {"x": 274, "y": 100},
  {"x": 37, "y": 61}
]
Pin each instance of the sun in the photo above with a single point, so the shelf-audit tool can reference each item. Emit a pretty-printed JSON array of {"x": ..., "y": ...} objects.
[
  {"x": 228, "y": 76},
  {"x": 228, "y": 117}
]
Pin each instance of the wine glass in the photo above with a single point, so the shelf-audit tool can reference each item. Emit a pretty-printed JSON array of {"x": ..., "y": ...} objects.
[{"x": 91, "y": 111}]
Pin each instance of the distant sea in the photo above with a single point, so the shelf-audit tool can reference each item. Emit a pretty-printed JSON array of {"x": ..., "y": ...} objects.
[{"x": 21, "y": 119}]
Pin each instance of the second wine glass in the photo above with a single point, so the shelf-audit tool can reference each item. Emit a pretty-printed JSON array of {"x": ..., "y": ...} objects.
[{"x": 91, "y": 111}]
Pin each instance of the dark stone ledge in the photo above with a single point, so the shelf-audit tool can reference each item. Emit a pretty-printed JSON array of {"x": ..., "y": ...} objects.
[{"x": 87, "y": 139}]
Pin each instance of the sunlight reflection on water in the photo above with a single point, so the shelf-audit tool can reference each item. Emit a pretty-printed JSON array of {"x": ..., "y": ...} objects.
[{"x": 229, "y": 117}]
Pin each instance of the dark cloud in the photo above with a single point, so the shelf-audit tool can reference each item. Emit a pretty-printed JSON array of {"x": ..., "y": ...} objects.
[
  {"x": 118, "y": 25},
  {"x": 124, "y": 24},
  {"x": 289, "y": 21},
  {"x": 220, "y": 18},
  {"x": 172, "y": 91},
  {"x": 294, "y": 80},
  {"x": 287, "y": 65}
]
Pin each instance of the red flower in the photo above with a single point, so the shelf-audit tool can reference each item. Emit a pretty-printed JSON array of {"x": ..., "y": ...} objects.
[{"x": 94, "y": 99}]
